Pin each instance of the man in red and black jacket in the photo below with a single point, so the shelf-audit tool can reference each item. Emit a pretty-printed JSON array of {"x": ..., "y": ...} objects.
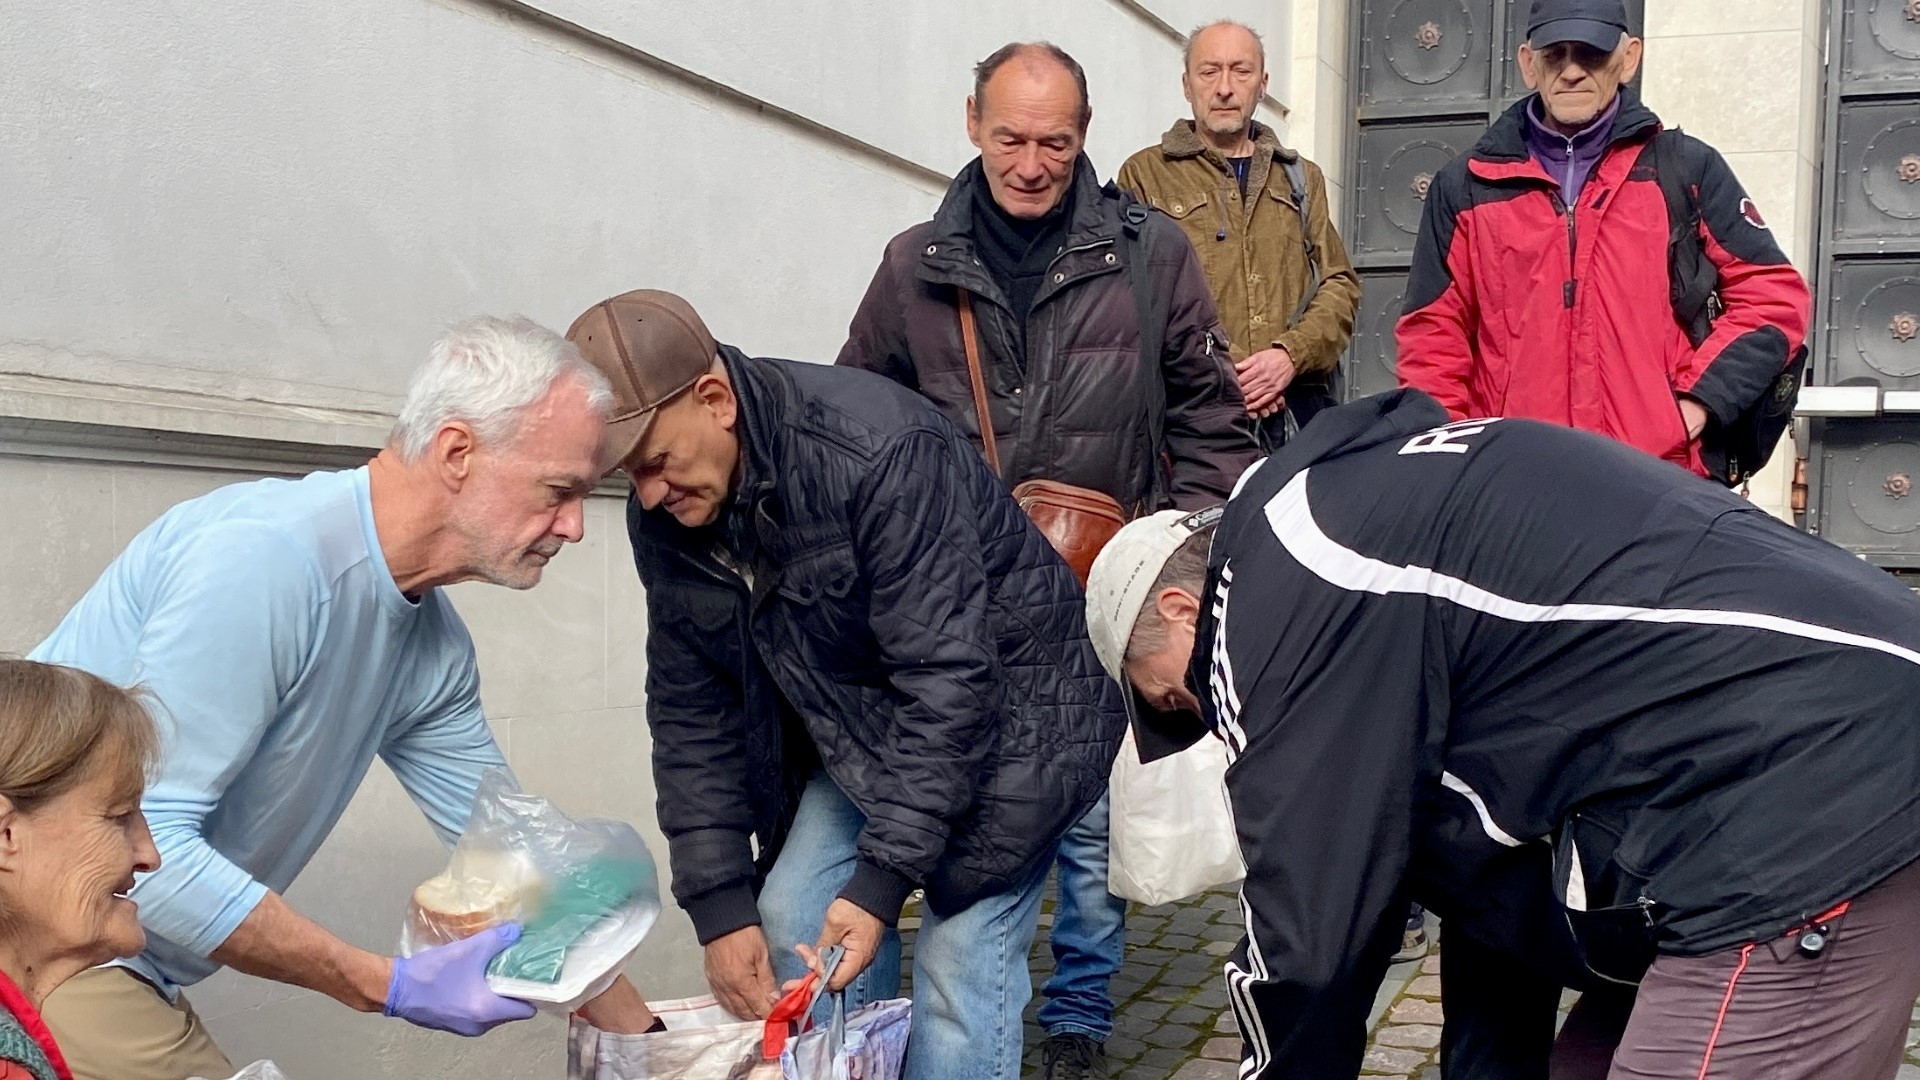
[{"x": 1540, "y": 284}]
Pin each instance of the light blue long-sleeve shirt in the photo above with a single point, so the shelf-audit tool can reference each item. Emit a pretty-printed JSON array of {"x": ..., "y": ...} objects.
[{"x": 280, "y": 658}]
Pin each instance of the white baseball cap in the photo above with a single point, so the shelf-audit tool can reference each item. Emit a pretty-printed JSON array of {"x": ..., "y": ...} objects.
[{"x": 1122, "y": 578}]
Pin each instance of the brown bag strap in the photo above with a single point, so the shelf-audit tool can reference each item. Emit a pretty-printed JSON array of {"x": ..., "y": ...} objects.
[{"x": 971, "y": 342}]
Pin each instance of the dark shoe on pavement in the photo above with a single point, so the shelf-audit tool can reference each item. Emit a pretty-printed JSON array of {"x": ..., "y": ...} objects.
[
  {"x": 1072, "y": 1057},
  {"x": 1413, "y": 946}
]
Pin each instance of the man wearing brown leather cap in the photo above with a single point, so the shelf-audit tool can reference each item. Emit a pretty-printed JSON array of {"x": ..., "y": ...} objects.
[{"x": 861, "y": 656}]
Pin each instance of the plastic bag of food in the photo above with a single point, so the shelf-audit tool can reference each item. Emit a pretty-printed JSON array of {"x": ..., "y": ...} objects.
[{"x": 584, "y": 892}]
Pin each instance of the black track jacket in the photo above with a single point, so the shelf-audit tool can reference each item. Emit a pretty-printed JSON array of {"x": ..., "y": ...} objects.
[{"x": 1430, "y": 645}]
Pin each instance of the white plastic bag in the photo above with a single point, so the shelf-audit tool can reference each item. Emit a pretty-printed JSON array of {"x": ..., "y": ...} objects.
[
  {"x": 702, "y": 1042},
  {"x": 591, "y": 885},
  {"x": 1171, "y": 827},
  {"x": 871, "y": 1044}
]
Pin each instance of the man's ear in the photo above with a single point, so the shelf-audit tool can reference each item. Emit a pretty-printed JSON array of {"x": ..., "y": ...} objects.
[
  {"x": 715, "y": 393},
  {"x": 451, "y": 453},
  {"x": 973, "y": 122},
  {"x": 1630, "y": 63},
  {"x": 1178, "y": 607},
  {"x": 1526, "y": 66}
]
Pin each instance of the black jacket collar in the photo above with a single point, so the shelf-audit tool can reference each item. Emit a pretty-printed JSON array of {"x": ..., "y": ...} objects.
[{"x": 950, "y": 256}]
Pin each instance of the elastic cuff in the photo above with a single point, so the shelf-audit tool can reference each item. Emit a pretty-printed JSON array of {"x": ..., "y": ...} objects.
[
  {"x": 880, "y": 893},
  {"x": 393, "y": 987},
  {"x": 1083, "y": 1031},
  {"x": 1719, "y": 409},
  {"x": 720, "y": 912}
]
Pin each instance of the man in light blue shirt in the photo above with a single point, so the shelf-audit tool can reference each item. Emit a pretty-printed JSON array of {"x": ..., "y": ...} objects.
[{"x": 289, "y": 631}]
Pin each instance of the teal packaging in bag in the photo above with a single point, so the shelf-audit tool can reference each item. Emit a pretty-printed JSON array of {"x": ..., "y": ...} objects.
[{"x": 593, "y": 895}]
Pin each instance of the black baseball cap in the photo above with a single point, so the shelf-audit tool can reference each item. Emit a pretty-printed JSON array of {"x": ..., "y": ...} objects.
[{"x": 1598, "y": 23}]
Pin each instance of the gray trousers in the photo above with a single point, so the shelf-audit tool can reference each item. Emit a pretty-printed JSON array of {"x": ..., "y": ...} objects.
[{"x": 1775, "y": 1011}]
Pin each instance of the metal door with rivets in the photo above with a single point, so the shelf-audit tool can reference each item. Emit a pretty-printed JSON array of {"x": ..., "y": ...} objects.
[
  {"x": 1862, "y": 470},
  {"x": 1428, "y": 77}
]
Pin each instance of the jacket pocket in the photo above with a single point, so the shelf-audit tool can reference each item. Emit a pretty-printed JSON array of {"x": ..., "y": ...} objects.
[
  {"x": 707, "y": 609},
  {"x": 820, "y": 577},
  {"x": 1291, "y": 220},
  {"x": 1181, "y": 205},
  {"x": 816, "y": 625},
  {"x": 1608, "y": 910}
]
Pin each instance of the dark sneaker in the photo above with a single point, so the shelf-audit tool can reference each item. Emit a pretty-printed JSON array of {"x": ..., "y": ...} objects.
[
  {"x": 1072, "y": 1057},
  {"x": 1413, "y": 946}
]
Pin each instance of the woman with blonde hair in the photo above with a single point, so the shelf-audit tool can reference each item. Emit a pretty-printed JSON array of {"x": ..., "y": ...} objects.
[{"x": 74, "y": 756}]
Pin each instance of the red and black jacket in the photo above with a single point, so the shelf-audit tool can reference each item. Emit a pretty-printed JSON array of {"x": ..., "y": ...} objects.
[{"x": 1521, "y": 306}]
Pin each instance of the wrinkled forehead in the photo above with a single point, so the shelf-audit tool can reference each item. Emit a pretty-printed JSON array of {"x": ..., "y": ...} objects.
[
  {"x": 1031, "y": 97},
  {"x": 1226, "y": 46},
  {"x": 561, "y": 431},
  {"x": 683, "y": 431}
]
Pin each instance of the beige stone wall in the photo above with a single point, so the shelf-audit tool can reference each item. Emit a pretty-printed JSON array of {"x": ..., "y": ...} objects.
[{"x": 1317, "y": 92}]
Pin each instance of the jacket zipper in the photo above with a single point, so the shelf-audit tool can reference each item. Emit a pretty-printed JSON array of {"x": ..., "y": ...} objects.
[
  {"x": 1064, "y": 252},
  {"x": 1026, "y": 321},
  {"x": 1573, "y": 247}
]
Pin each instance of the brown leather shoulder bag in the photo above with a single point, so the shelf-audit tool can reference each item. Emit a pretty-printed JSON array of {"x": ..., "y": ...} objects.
[{"x": 1077, "y": 521}]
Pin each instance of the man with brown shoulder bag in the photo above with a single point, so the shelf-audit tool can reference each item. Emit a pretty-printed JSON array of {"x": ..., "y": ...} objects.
[{"x": 1070, "y": 331}]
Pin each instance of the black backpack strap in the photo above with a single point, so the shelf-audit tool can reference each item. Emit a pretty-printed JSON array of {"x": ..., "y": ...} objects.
[
  {"x": 1297, "y": 176},
  {"x": 1152, "y": 320},
  {"x": 1691, "y": 275}
]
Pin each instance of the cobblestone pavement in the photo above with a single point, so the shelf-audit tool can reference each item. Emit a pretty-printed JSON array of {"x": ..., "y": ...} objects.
[{"x": 1172, "y": 1019}]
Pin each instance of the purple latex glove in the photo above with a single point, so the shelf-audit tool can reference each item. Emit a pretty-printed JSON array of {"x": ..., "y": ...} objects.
[{"x": 445, "y": 987}]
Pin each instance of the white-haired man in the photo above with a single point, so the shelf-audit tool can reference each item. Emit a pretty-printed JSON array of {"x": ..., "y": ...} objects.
[{"x": 289, "y": 632}]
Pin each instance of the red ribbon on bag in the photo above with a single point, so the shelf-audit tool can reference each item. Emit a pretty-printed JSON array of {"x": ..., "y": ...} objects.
[{"x": 789, "y": 1016}]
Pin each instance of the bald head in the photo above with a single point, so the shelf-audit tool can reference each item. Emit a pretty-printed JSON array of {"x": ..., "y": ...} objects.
[
  {"x": 1225, "y": 33},
  {"x": 1033, "y": 62}
]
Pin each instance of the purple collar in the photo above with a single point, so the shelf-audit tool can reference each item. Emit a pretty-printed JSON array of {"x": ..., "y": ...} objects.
[{"x": 1570, "y": 160}]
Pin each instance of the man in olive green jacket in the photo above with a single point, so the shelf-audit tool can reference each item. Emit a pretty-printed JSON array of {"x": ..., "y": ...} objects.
[{"x": 1287, "y": 300}]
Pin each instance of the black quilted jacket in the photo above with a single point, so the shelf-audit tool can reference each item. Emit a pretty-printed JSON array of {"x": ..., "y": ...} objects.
[{"x": 875, "y": 592}]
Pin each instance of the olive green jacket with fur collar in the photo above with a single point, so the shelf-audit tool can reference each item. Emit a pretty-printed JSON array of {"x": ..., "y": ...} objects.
[{"x": 1251, "y": 248}]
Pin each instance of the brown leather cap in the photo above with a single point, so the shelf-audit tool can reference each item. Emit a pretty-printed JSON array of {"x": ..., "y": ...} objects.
[{"x": 651, "y": 346}]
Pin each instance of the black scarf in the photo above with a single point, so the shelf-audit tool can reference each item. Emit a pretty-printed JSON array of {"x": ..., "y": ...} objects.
[{"x": 1017, "y": 251}]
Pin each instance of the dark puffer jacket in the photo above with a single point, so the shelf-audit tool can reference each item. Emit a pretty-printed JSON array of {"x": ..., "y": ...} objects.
[
  {"x": 1073, "y": 404},
  {"x": 904, "y": 615}
]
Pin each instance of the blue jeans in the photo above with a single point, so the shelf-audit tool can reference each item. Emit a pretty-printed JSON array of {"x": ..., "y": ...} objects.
[
  {"x": 1089, "y": 935},
  {"x": 970, "y": 980}
]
